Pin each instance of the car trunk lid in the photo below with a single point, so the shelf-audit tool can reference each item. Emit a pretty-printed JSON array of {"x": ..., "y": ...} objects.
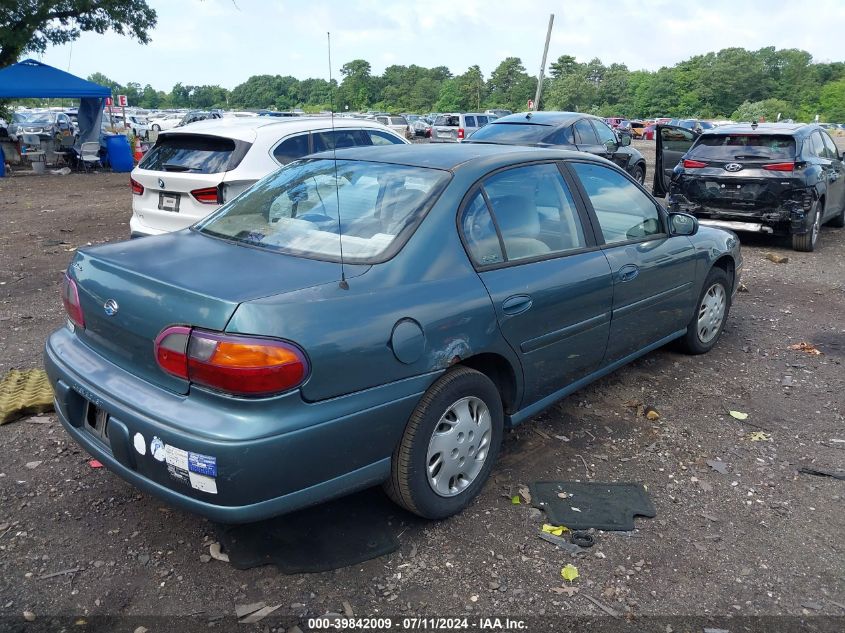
[{"x": 187, "y": 279}]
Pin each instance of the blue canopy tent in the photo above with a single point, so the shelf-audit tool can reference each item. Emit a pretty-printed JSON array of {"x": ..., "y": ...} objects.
[{"x": 32, "y": 79}]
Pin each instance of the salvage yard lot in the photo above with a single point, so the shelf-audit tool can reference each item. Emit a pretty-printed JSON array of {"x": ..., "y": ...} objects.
[{"x": 760, "y": 539}]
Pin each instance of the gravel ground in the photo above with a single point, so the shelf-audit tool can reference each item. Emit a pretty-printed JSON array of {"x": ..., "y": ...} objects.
[{"x": 758, "y": 539}]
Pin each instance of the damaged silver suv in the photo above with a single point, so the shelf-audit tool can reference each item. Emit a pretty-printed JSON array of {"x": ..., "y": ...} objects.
[{"x": 785, "y": 179}]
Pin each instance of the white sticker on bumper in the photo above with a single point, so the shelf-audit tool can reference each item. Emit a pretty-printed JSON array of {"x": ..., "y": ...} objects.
[{"x": 203, "y": 482}]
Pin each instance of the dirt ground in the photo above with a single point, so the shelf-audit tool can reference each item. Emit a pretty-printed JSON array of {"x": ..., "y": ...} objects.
[{"x": 758, "y": 540}]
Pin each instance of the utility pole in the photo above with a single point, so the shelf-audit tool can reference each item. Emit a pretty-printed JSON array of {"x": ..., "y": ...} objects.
[{"x": 543, "y": 64}]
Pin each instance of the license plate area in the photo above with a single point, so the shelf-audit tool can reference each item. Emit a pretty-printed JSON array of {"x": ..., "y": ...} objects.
[
  {"x": 97, "y": 422},
  {"x": 168, "y": 201}
]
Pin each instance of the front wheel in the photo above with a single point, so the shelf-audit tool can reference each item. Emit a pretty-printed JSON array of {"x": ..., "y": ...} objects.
[
  {"x": 807, "y": 242},
  {"x": 638, "y": 173},
  {"x": 708, "y": 320},
  {"x": 449, "y": 446}
]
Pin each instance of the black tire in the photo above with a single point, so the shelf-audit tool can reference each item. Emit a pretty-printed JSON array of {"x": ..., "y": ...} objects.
[
  {"x": 807, "y": 242},
  {"x": 692, "y": 342},
  {"x": 638, "y": 173},
  {"x": 409, "y": 485},
  {"x": 838, "y": 221}
]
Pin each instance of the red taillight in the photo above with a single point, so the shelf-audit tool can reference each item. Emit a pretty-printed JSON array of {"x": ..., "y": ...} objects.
[
  {"x": 207, "y": 195},
  {"x": 137, "y": 187},
  {"x": 70, "y": 299},
  {"x": 780, "y": 167},
  {"x": 694, "y": 164},
  {"x": 240, "y": 365},
  {"x": 461, "y": 133}
]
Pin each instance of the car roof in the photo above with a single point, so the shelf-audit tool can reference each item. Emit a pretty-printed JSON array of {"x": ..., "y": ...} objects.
[
  {"x": 543, "y": 118},
  {"x": 761, "y": 128},
  {"x": 452, "y": 156},
  {"x": 248, "y": 128}
]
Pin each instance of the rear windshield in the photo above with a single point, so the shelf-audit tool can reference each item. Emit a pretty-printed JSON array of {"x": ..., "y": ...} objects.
[
  {"x": 448, "y": 121},
  {"x": 512, "y": 133},
  {"x": 743, "y": 146},
  {"x": 397, "y": 120},
  {"x": 295, "y": 210},
  {"x": 190, "y": 152}
]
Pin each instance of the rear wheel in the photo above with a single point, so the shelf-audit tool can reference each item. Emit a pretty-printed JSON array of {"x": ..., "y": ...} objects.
[
  {"x": 708, "y": 320},
  {"x": 807, "y": 241},
  {"x": 449, "y": 446}
]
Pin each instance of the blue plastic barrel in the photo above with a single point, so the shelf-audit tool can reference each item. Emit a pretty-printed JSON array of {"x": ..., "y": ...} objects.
[{"x": 119, "y": 153}]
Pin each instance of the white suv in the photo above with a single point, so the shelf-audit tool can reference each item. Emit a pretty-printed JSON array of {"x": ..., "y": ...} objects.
[{"x": 192, "y": 170}]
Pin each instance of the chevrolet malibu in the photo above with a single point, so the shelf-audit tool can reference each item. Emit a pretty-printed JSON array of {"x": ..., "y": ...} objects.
[{"x": 378, "y": 317}]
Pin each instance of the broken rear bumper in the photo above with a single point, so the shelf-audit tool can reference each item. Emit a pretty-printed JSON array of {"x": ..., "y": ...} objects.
[{"x": 790, "y": 217}]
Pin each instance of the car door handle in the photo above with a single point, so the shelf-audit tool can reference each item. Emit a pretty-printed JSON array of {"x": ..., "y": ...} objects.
[
  {"x": 628, "y": 272},
  {"x": 517, "y": 304}
]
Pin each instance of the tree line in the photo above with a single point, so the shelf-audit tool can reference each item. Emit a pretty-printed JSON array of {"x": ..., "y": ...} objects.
[{"x": 731, "y": 83}]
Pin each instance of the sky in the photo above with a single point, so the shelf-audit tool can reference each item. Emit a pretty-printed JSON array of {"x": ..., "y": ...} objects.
[{"x": 224, "y": 42}]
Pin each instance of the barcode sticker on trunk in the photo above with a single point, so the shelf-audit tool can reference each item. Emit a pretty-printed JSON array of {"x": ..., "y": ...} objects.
[{"x": 203, "y": 483}]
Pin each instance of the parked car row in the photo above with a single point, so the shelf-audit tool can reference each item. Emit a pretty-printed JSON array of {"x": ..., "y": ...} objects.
[{"x": 512, "y": 223}]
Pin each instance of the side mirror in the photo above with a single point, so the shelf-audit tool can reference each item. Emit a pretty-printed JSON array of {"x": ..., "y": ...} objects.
[
  {"x": 682, "y": 224},
  {"x": 624, "y": 140}
]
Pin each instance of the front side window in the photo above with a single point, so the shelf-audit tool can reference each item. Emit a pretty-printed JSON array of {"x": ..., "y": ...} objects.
[
  {"x": 584, "y": 134},
  {"x": 830, "y": 147},
  {"x": 378, "y": 137},
  {"x": 605, "y": 134},
  {"x": 534, "y": 212},
  {"x": 624, "y": 212},
  {"x": 302, "y": 208}
]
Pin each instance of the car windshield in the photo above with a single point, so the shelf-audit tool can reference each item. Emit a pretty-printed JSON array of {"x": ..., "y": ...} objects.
[
  {"x": 41, "y": 119},
  {"x": 190, "y": 152},
  {"x": 744, "y": 146},
  {"x": 512, "y": 133},
  {"x": 296, "y": 210}
]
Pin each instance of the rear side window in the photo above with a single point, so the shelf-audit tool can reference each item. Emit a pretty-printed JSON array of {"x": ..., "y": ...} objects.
[
  {"x": 480, "y": 234},
  {"x": 743, "y": 146},
  {"x": 342, "y": 138},
  {"x": 624, "y": 212},
  {"x": 291, "y": 149},
  {"x": 518, "y": 133},
  {"x": 482, "y": 120},
  {"x": 584, "y": 134},
  {"x": 469, "y": 121},
  {"x": 817, "y": 145},
  {"x": 534, "y": 215},
  {"x": 194, "y": 153}
]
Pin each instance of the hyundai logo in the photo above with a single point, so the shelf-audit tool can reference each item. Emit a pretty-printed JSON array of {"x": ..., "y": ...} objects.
[
  {"x": 160, "y": 183},
  {"x": 110, "y": 307},
  {"x": 728, "y": 167}
]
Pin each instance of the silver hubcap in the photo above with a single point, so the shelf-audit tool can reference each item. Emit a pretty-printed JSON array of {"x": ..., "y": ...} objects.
[
  {"x": 817, "y": 225},
  {"x": 711, "y": 312},
  {"x": 459, "y": 446}
]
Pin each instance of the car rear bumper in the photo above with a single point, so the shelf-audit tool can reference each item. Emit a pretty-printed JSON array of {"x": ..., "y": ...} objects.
[
  {"x": 787, "y": 216},
  {"x": 196, "y": 452}
]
